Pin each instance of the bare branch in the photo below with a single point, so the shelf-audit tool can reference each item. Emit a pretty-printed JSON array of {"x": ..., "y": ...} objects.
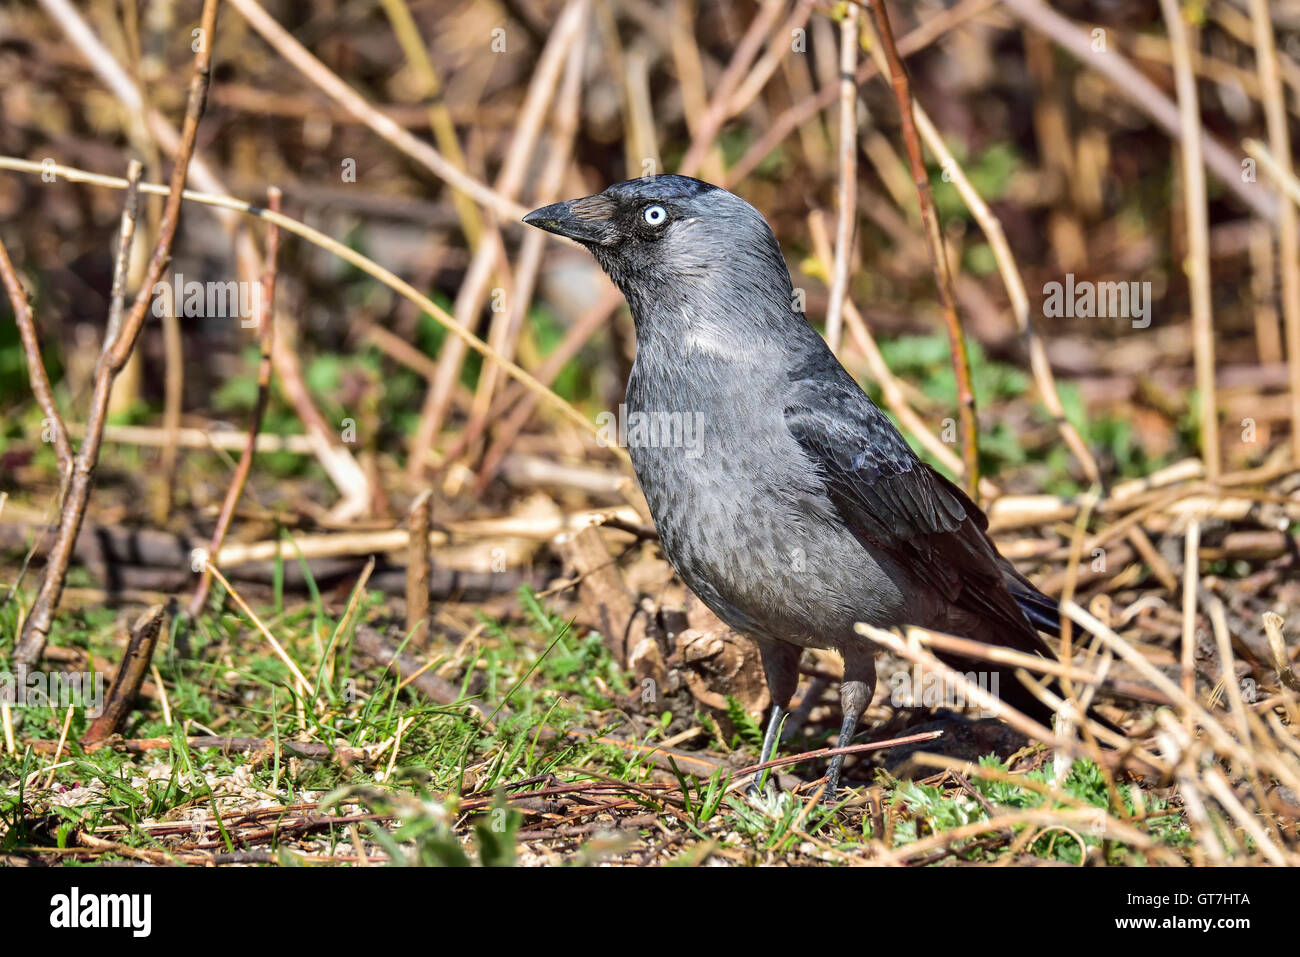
[{"x": 119, "y": 344}]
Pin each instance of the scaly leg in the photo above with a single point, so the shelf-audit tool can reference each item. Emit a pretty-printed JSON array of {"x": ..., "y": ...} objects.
[
  {"x": 773, "y": 733},
  {"x": 781, "y": 667},
  {"x": 856, "y": 689}
]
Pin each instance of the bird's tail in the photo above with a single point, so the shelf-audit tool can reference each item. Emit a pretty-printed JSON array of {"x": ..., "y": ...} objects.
[{"x": 1010, "y": 690}]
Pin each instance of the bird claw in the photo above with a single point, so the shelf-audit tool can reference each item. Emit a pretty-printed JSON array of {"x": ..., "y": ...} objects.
[{"x": 831, "y": 798}]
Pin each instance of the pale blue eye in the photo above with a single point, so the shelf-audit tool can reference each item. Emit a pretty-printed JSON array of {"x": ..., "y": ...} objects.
[{"x": 655, "y": 215}]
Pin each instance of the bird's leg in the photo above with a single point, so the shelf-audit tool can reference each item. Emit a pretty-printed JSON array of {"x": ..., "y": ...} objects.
[
  {"x": 855, "y": 694},
  {"x": 849, "y": 725},
  {"x": 773, "y": 733},
  {"x": 781, "y": 667}
]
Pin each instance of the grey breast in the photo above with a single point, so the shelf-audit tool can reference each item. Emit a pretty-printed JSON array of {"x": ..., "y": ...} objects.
[{"x": 740, "y": 510}]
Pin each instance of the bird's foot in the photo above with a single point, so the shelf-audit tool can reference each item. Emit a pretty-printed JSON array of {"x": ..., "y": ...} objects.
[
  {"x": 764, "y": 785},
  {"x": 831, "y": 793},
  {"x": 834, "y": 796}
]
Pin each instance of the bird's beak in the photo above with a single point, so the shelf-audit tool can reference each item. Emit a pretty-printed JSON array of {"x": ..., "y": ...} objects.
[{"x": 584, "y": 220}]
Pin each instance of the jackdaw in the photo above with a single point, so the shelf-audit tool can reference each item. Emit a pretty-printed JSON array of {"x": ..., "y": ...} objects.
[{"x": 798, "y": 509}]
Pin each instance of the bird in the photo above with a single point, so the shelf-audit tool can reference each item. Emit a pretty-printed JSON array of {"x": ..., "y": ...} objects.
[{"x": 783, "y": 497}]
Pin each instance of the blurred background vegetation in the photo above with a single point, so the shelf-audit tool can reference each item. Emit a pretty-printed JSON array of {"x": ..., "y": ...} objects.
[{"x": 1103, "y": 203}]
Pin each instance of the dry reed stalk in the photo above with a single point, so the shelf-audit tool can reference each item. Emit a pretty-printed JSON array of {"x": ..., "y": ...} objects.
[
  {"x": 440, "y": 119},
  {"x": 1040, "y": 367},
  {"x": 938, "y": 254},
  {"x": 383, "y": 126},
  {"x": 1197, "y": 266},
  {"x": 891, "y": 387},
  {"x": 508, "y": 323},
  {"x": 846, "y": 192},
  {"x": 717, "y": 110},
  {"x": 1288, "y": 219},
  {"x": 806, "y": 109},
  {"x": 490, "y": 255},
  {"x": 1144, "y": 96}
]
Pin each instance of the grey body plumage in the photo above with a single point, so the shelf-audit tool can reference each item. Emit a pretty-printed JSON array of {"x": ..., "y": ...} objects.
[{"x": 799, "y": 510}]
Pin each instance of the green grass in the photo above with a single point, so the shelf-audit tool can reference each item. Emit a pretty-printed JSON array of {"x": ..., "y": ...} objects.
[{"x": 444, "y": 801}]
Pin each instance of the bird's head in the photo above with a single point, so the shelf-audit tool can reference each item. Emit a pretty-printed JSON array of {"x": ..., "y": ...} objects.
[{"x": 671, "y": 243}]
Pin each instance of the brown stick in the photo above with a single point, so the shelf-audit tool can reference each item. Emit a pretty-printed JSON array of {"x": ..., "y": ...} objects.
[
  {"x": 76, "y": 482},
  {"x": 130, "y": 676},
  {"x": 938, "y": 257},
  {"x": 417, "y": 570},
  {"x": 265, "y": 341}
]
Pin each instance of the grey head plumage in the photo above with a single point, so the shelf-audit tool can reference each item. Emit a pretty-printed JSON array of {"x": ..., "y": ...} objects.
[{"x": 709, "y": 253}]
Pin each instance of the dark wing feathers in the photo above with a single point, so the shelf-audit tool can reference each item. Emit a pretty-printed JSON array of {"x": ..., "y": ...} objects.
[{"x": 893, "y": 502}]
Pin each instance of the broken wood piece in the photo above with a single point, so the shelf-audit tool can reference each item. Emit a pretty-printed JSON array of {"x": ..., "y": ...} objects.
[{"x": 130, "y": 676}]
